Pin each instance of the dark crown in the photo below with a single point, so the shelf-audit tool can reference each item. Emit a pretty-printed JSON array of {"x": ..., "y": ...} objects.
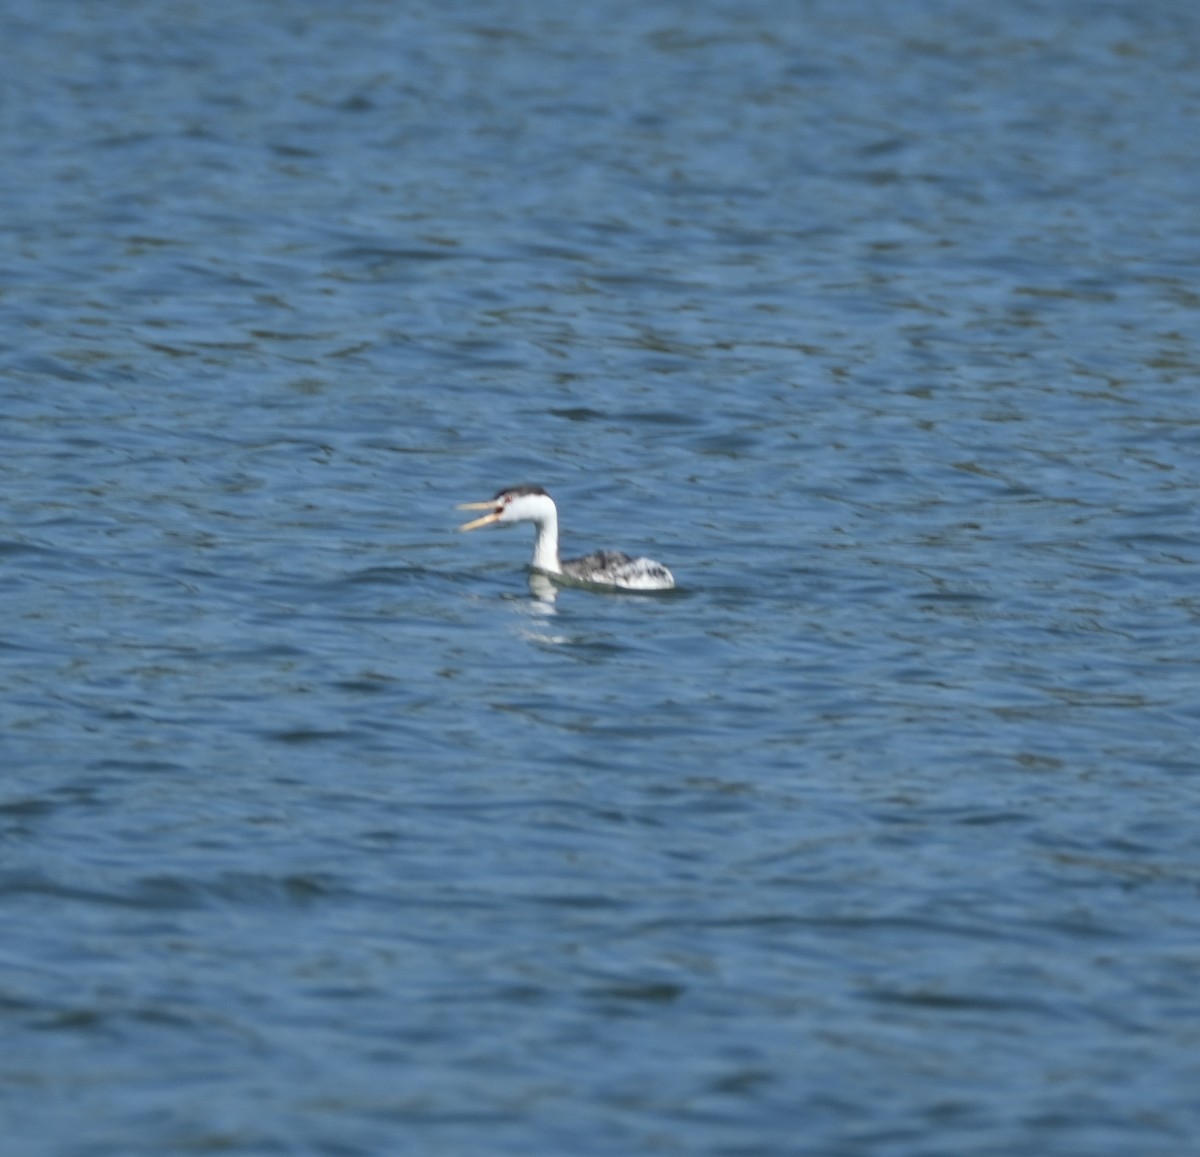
[{"x": 519, "y": 491}]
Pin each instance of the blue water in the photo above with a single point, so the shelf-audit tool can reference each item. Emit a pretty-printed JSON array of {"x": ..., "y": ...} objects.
[{"x": 877, "y": 323}]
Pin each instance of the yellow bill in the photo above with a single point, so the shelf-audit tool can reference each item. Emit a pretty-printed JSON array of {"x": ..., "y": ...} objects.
[{"x": 478, "y": 522}]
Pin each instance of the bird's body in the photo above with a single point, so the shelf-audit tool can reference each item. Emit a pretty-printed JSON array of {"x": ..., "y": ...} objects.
[{"x": 603, "y": 568}]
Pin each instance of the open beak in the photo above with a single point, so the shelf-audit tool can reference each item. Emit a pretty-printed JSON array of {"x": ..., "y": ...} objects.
[{"x": 476, "y": 523}]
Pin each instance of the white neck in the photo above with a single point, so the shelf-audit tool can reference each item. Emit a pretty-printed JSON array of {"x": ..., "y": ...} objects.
[{"x": 545, "y": 549}]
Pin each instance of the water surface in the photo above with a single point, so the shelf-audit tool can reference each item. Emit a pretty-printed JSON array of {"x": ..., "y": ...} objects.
[{"x": 876, "y": 323}]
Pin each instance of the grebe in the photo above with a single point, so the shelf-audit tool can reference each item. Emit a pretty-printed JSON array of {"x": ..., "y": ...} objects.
[{"x": 604, "y": 568}]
